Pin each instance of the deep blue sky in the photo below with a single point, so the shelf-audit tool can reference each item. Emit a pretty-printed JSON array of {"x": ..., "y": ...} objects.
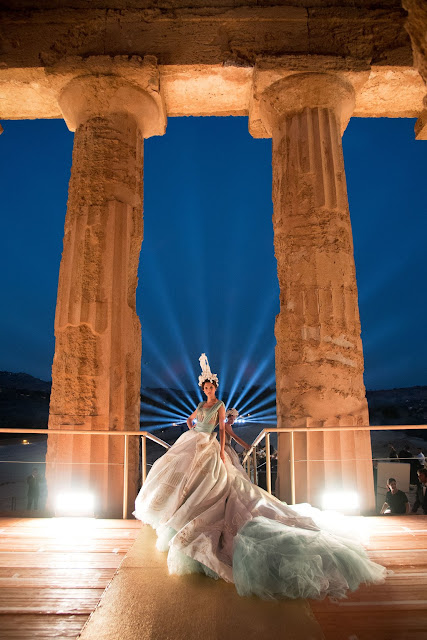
[{"x": 207, "y": 277}]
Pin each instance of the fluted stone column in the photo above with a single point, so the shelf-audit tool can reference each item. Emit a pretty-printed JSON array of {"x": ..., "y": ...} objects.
[
  {"x": 416, "y": 26},
  {"x": 319, "y": 358},
  {"x": 96, "y": 369}
]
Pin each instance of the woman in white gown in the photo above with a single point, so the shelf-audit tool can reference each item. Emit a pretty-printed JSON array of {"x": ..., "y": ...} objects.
[{"x": 212, "y": 519}]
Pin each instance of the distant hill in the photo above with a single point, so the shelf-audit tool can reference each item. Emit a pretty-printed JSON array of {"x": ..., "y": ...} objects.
[
  {"x": 10, "y": 380},
  {"x": 398, "y": 406},
  {"x": 24, "y": 402}
]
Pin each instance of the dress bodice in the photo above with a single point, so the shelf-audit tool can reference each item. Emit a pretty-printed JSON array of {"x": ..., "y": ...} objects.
[{"x": 207, "y": 417}]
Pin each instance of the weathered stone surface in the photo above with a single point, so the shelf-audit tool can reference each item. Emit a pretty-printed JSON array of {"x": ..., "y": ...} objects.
[
  {"x": 319, "y": 358},
  {"x": 416, "y": 25},
  {"x": 207, "y": 50},
  {"x": 96, "y": 368}
]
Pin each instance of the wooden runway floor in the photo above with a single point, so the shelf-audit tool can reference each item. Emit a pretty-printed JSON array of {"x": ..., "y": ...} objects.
[
  {"x": 397, "y": 609},
  {"x": 54, "y": 571}
]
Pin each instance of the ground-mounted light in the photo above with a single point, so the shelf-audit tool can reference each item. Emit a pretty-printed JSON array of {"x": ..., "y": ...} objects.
[
  {"x": 340, "y": 500},
  {"x": 25, "y": 442},
  {"x": 75, "y": 503}
]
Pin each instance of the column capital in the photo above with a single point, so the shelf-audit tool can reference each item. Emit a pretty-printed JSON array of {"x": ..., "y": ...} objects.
[
  {"x": 299, "y": 91},
  {"x": 98, "y": 89}
]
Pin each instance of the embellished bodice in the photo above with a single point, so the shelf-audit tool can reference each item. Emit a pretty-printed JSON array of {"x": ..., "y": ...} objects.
[{"x": 207, "y": 417}]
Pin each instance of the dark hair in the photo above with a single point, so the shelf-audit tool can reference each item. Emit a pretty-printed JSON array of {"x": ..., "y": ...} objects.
[
  {"x": 391, "y": 480},
  {"x": 422, "y": 470},
  {"x": 215, "y": 384}
]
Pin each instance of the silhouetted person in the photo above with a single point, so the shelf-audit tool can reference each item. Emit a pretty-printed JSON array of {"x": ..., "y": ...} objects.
[
  {"x": 33, "y": 482},
  {"x": 421, "y": 499},
  {"x": 405, "y": 453},
  {"x": 420, "y": 457},
  {"x": 406, "y": 456},
  {"x": 392, "y": 454}
]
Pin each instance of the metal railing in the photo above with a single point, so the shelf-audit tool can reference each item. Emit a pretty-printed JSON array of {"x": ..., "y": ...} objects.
[
  {"x": 124, "y": 434},
  {"x": 250, "y": 459}
]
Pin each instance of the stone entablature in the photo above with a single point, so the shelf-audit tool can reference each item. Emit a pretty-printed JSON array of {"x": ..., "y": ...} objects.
[
  {"x": 222, "y": 91},
  {"x": 188, "y": 33},
  {"x": 210, "y": 55}
]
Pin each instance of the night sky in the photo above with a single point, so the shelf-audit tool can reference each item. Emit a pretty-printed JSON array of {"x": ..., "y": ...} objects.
[{"x": 207, "y": 276}]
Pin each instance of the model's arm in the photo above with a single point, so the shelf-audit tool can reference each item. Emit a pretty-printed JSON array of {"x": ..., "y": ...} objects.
[
  {"x": 229, "y": 430},
  {"x": 190, "y": 419},
  {"x": 221, "y": 418},
  {"x": 384, "y": 507}
]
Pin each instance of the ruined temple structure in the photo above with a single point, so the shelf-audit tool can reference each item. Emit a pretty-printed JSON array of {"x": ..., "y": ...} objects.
[{"x": 299, "y": 69}]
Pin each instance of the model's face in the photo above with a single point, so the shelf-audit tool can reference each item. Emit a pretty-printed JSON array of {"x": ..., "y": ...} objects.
[
  {"x": 231, "y": 419},
  {"x": 209, "y": 389}
]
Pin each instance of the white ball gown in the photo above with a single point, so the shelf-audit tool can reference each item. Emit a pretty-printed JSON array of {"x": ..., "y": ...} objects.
[{"x": 210, "y": 518}]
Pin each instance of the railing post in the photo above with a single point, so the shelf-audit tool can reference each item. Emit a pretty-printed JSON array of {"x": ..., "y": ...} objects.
[
  {"x": 255, "y": 467},
  {"x": 144, "y": 458},
  {"x": 292, "y": 469},
  {"x": 268, "y": 462},
  {"x": 125, "y": 477}
]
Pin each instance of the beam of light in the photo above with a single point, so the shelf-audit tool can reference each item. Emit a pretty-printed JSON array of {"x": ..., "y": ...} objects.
[
  {"x": 249, "y": 404},
  {"x": 167, "y": 367},
  {"x": 270, "y": 407},
  {"x": 173, "y": 392},
  {"x": 237, "y": 380},
  {"x": 173, "y": 322},
  {"x": 271, "y": 420},
  {"x": 258, "y": 416},
  {"x": 155, "y": 396},
  {"x": 264, "y": 402},
  {"x": 163, "y": 420},
  {"x": 163, "y": 413},
  {"x": 257, "y": 373},
  {"x": 265, "y": 312}
]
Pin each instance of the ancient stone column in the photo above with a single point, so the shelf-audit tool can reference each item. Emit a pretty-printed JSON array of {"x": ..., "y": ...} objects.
[
  {"x": 319, "y": 358},
  {"x": 416, "y": 26},
  {"x": 96, "y": 369}
]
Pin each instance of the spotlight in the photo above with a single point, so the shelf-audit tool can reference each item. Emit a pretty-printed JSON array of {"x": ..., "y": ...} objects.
[
  {"x": 340, "y": 500},
  {"x": 25, "y": 442},
  {"x": 75, "y": 503}
]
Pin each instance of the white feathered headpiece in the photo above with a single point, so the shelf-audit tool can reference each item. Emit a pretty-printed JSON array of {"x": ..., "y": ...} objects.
[
  {"x": 232, "y": 412},
  {"x": 206, "y": 371}
]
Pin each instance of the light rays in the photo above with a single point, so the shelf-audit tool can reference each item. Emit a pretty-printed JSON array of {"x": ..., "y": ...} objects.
[
  {"x": 249, "y": 404},
  {"x": 210, "y": 273},
  {"x": 167, "y": 367},
  {"x": 267, "y": 361},
  {"x": 266, "y": 313}
]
